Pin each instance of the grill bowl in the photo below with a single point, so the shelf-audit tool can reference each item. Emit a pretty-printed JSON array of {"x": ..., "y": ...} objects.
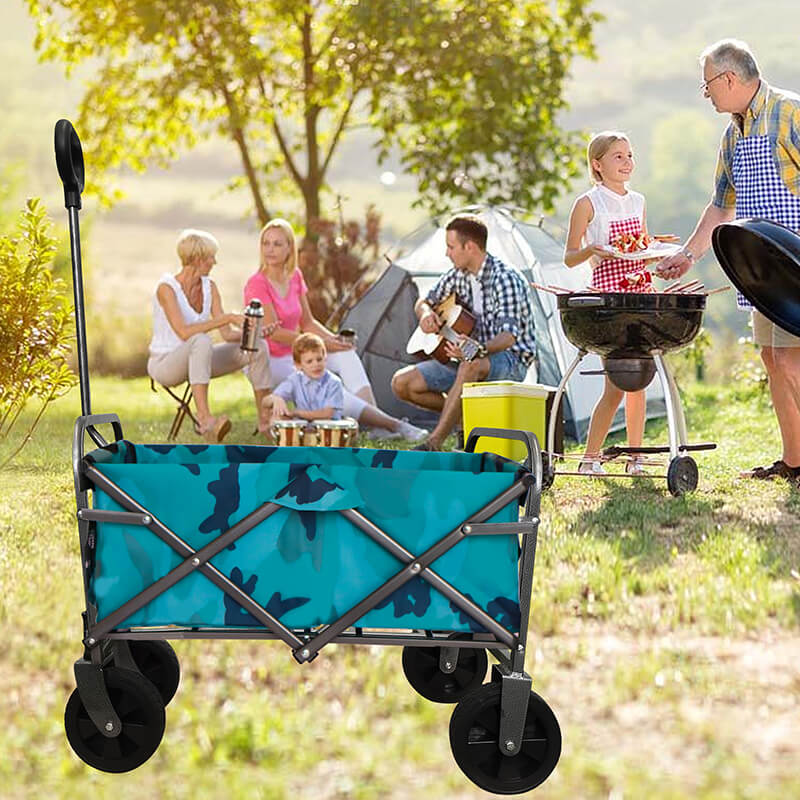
[{"x": 630, "y": 325}]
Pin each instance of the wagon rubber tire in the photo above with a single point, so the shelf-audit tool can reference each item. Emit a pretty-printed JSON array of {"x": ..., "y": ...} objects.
[
  {"x": 141, "y": 712},
  {"x": 682, "y": 475},
  {"x": 421, "y": 668},
  {"x": 474, "y": 732},
  {"x": 158, "y": 663}
]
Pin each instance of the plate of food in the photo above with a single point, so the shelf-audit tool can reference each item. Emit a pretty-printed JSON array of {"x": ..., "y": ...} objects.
[{"x": 632, "y": 248}]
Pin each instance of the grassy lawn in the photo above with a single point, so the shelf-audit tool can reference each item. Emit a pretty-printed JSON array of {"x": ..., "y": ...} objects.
[{"x": 665, "y": 634}]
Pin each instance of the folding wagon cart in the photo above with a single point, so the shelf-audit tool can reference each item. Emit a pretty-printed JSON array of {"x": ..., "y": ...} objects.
[{"x": 312, "y": 546}]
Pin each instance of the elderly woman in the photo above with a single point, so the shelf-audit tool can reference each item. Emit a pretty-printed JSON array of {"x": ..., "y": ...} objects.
[
  {"x": 186, "y": 308},
  {"x": 280, "y": 287}
]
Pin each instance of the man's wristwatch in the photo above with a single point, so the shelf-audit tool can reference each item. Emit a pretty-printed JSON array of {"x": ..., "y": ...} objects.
[{"x": 689, "y": 255}]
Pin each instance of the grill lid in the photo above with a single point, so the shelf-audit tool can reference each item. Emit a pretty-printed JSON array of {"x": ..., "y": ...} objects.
[{"x": 762, "y": 260}]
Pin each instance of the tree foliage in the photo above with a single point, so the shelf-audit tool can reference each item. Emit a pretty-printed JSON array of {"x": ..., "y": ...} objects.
[
  {"x": 469, "y": 92},
  {"x": 35, "y": 330}
]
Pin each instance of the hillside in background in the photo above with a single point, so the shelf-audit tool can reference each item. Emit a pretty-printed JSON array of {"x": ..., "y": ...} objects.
[{"x": 645, "y": 82}]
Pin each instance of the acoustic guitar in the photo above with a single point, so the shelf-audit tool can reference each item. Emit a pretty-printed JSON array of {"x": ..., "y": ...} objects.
[{"x": 458, "y": 323}]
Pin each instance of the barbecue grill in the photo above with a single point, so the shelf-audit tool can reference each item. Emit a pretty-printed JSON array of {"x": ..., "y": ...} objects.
[{"x": 631, "y": 331}]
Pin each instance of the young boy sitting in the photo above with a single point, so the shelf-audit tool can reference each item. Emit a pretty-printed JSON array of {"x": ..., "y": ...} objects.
[{"x": 315, "y": 391}]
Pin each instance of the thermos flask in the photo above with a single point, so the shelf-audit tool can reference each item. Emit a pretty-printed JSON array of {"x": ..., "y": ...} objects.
[{"x": 251, "y": 329}]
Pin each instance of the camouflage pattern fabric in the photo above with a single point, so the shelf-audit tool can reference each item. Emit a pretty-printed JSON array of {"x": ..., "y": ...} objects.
[{"x": 306, "y": 564}]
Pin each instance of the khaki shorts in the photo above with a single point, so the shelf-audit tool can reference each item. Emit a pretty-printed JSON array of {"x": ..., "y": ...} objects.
[{"x": 768, "y": 334}]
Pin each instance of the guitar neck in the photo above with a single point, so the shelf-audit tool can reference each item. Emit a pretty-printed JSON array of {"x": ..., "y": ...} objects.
[{"x": 446, "y": 332}]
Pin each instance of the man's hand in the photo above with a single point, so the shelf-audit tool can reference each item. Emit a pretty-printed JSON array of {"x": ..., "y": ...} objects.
[
  {"x": 430, "y": 322},
  {"x": 454, "y": 351},
  {"x": 674, "y": 266}
]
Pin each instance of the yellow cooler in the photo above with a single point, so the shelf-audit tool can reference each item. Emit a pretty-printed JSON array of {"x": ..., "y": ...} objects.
[{"x": 508, "y": 404}]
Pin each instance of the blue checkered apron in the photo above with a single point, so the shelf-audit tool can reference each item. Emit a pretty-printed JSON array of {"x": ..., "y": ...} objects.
[{"x": 760, "y": 192}]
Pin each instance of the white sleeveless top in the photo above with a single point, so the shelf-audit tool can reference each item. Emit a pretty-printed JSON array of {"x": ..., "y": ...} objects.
[
  {"x": 609, "y": 206},
  {"x": 165, "y": 340}
]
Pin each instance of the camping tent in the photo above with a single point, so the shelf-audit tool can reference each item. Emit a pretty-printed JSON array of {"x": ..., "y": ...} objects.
[{"x": 384, "y": 317}]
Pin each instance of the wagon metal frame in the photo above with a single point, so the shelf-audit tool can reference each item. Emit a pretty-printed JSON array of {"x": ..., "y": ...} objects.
[{"x": 111, "y": 649}]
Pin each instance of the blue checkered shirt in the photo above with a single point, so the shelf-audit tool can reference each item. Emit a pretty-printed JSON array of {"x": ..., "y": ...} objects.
[
  {"x": 310, "y": 394},
  {"x": 506, "y": 304}
]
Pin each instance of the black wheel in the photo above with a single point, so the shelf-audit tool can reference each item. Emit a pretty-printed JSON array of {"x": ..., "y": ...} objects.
[
  {"x": 421, "y": 667},
  {"x": 157, "y": 661},
  {"x": 139, "y": 707},
  {"x": 682, "y": 475},
  {"x": 474, "y": 732}
]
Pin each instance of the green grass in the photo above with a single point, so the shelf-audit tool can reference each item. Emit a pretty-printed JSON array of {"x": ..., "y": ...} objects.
[{"x": 665, "y": 633}]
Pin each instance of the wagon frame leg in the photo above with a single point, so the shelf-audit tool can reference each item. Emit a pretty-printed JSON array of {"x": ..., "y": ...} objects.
[
  {"x": 94, "y": 695},
  {"x": 515, "y": 689},
  {"x": 448, "y": 659}
]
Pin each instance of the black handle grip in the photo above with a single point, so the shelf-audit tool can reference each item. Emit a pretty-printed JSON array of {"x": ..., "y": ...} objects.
[
  {"x": 526, "y": 437},
  {"x": 69, "y": 160}
]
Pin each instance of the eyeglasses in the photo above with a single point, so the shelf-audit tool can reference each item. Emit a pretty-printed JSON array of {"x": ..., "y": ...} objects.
[{"x": 704, "y": 84}]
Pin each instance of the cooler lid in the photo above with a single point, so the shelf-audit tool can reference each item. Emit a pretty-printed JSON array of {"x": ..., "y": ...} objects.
[
  {"x": 762, "y": 260},
  {"x": 506, "y": 389}
]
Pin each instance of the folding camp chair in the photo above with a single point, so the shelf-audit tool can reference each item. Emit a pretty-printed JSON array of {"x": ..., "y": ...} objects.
[{"x": 183, "y": 409}]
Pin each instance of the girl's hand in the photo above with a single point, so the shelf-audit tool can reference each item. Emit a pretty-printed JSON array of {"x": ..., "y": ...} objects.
[{"x": 600, "y": 250}]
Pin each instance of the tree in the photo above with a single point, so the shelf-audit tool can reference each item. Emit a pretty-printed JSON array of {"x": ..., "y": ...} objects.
[{"x": 468, "y": 91}]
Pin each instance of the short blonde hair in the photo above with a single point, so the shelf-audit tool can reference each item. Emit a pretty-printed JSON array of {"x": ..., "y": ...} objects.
[
  {"x": 290, "y": 264},
  {"x": 598, "y": 147},
  {"x": 194, "y": 245},
  {"x": 307, "y": 342}
]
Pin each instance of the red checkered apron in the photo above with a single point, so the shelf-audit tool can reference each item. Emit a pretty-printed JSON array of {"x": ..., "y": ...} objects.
[{"x": 609, "y": 273}]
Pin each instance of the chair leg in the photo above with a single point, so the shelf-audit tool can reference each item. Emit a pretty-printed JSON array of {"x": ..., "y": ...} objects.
[{"x": 183, "y": 411}]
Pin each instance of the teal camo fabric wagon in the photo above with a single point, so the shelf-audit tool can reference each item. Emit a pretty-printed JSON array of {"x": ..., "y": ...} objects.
[
  {"x": 430, "y": 551},
  {"x": 304, "y": 563}
]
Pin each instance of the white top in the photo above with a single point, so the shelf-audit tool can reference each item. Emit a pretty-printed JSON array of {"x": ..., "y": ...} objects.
[
  {"x": 609, "y": 206},
  {"x": 165, "y": 340}
]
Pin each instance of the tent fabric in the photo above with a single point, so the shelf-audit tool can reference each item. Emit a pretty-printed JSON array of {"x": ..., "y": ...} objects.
[{"x": 384, "y": 317}]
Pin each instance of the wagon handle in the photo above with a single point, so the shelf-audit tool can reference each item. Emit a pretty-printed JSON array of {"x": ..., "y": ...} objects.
[
  {"x": 84, "y": 425},
  {"x": 533, "y": 461},
  {"x": 526, "y": 437},
  {"x": 69, "y": 161}
]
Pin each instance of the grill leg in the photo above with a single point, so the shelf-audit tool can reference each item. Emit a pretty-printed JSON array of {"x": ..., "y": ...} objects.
[
  {"x": 562, "y": 386},
  {"x": 676, "y": 422}
]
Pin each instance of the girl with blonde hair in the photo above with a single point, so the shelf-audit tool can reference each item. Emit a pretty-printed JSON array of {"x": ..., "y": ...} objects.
[{"x": 598, "y": 218}]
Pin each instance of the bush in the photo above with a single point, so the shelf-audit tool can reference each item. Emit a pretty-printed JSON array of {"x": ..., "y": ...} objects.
[
  {"x": 339, "y": 262},
  {"x": 35, "y": 326}
]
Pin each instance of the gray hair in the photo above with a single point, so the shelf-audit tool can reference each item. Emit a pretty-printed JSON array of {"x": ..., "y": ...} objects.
[{"x": 732, "y": 55}]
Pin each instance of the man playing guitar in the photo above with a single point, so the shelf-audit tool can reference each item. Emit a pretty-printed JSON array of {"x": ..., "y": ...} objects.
[{"x": 500, "y": 300}]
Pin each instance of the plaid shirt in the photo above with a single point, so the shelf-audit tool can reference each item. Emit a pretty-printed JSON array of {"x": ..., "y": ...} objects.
[
  {"x": 506, "y": 304},
  {"x": 773, "y": 113}
]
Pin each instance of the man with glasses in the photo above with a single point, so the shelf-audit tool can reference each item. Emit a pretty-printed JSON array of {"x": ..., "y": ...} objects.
[{"x": 758, "y": 175}]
